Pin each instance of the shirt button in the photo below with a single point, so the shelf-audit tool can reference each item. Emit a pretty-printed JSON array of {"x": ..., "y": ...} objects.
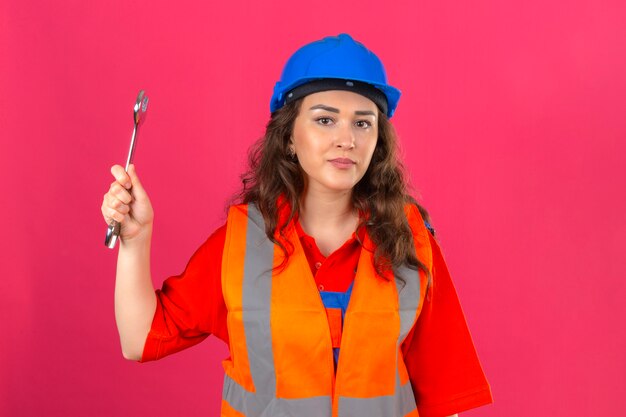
[
  {"x": 321, "y": 287},
  {"x": 318, "y": 265}
]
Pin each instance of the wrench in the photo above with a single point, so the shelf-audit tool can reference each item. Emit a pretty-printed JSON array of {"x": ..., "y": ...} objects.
[{"x": 139, "y": 116}]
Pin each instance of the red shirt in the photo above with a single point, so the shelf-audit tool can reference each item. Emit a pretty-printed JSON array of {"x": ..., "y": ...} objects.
[{"x": 444, "y": 369}]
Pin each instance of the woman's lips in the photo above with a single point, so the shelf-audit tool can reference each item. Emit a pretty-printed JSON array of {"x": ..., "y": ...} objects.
[{"x": 342, "y": 163}]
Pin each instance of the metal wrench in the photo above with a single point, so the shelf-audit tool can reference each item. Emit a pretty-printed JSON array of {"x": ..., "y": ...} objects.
[{"x": 139, "y": 116}]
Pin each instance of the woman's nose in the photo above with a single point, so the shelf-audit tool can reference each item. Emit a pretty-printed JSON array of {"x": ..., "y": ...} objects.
[{"x": 345, "y": 137}]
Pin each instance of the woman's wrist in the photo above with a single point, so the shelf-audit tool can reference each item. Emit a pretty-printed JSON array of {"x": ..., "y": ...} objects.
[{"x": 142, "y": 239}]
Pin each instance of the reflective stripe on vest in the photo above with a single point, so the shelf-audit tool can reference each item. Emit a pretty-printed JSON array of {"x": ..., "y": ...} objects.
[{"x": 281, "y": 360}]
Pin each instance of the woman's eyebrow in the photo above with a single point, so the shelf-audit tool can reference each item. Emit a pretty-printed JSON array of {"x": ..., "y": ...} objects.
[
  {"x": 365, "y": 113},
  {"x": 334, "y": 110},
  {"x": 324, "y": 107}
]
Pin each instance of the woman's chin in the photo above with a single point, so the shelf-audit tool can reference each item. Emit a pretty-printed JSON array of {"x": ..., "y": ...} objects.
[
  {"x": 334, "y": 183},
  {"x": 339, "y": 187}
]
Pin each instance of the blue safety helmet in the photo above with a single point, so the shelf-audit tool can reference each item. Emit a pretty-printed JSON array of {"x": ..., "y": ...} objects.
[{"x": 335, "y": 62}]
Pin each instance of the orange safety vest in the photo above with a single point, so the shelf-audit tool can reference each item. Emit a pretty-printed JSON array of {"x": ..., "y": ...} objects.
[{"x": 281, "y": 361}]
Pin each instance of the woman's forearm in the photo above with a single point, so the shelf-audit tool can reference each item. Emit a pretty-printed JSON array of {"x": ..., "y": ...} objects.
[{"x": 135, "y": 299}]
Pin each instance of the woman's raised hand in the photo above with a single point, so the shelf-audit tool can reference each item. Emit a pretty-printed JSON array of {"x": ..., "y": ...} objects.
[{"x": 127, "y": 202}]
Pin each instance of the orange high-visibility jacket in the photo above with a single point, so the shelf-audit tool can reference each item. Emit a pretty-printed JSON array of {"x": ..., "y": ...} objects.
[{"x": 281, "y": 361}]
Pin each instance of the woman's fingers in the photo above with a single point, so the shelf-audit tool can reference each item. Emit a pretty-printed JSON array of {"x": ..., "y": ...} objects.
[
  {"x": 116, "y": 215},
  {"x": 127, "y": 203},
  {"x": 116, "y": 203},
  {"x": 120, "y": 192},
  {"x": 121, "y": 176}
]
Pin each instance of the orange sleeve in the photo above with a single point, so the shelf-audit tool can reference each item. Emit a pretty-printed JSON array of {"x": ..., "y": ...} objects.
[
  {"x": 439, "y": 353},
  {"x": 190, "y": 306}
]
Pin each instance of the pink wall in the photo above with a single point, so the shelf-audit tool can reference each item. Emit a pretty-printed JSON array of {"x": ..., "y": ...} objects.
[{"x": 513, "y": 127}]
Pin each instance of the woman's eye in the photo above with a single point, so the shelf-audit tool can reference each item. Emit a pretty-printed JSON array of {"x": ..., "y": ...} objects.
[
  {"x": 364, "y": 123},
  {"x": 324, "y": 120}
]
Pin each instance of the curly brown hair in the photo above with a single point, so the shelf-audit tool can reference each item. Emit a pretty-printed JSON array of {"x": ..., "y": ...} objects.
[{"x": 381, "y": 193}]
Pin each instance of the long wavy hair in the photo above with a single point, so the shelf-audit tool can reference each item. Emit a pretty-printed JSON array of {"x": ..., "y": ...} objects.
[{"x": 381, "y": 193}]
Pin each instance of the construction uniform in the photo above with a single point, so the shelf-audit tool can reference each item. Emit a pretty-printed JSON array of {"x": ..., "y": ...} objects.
[{"x": 396, "y": 351}]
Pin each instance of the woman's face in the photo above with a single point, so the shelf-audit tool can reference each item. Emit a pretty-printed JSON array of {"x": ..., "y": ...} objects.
[{"x": 334, "y": 137}]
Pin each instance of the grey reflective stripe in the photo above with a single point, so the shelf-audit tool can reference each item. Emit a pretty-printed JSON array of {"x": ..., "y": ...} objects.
[
  {"x": 408, "y": 298},
  {"x": 256, "y": 294},
  {"x": 255, "y": 405},
  {"x": 399, "y": 404},
  {"x": 402, "y": 401}
]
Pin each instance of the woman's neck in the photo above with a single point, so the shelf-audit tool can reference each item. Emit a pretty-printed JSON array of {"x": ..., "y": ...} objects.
[{"x": 322, "y": 213}]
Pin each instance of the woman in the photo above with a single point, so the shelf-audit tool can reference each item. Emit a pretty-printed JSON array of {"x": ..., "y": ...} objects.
[{"x": 323, "y": 221}]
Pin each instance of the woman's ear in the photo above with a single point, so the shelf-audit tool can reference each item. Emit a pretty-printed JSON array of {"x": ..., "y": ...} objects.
[{"x": 291, "y": 149}]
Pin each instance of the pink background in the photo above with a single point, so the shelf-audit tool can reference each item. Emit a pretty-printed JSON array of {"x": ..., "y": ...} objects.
[{"x": 512, "y": 123}]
